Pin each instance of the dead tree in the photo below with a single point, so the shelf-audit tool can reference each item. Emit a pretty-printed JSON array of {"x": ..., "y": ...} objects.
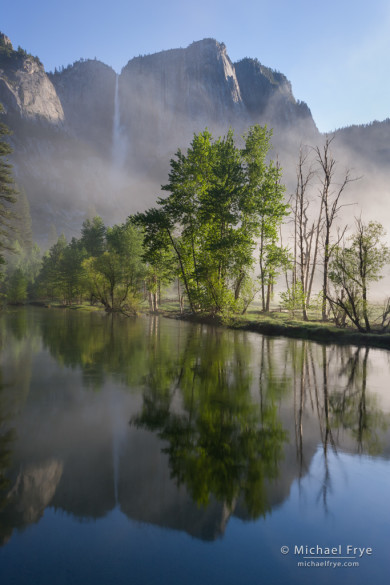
[
  {"x": 306, "y": 231},
  {"x": 330, "y": 194}
]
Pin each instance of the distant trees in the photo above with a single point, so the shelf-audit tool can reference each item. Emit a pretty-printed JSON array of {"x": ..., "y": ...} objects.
[
  {"x": 8, "y": 56},
  {"x": 93, "y": 233},
  {"x": 49, "y": 278},
  {"x": 114, "y": 277},
  {"x": 23, "y": 257},
  {"x": 104, "y": 265}
]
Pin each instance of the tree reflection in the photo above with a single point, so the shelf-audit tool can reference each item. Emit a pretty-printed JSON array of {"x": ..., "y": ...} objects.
[
  {"x": 221, "y": 442},
  {"x": 331, "y": 383},
  {"x": 220, "y": 401},
  {"x": 7, "y": 438},
  {"x": 353, "y": 409}
]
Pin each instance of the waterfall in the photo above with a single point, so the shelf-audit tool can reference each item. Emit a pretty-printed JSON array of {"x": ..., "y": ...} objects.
[{"x": 118, "y": 139}]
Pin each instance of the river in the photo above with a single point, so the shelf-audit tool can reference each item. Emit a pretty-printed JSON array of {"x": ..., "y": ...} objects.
[{"x": 156, "y": 451}]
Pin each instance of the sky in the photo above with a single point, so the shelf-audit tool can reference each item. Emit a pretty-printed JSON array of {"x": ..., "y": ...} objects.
[{"x": 336, "y": 53}]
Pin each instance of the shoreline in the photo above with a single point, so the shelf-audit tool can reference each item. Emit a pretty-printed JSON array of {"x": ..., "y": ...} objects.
[
  {"x": 294, "y": 329},
  {"x": 311, "y": 330}
]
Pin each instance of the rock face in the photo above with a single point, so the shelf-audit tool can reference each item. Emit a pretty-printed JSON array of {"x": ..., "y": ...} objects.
[
  {"x": 25, "y": 89},
  {"x": 168, "y": 96},
  {"x": 267, "y": 95},
  {"x": 86, "y": 91},
  {"x": 177, "y": 92},
  {"x": 85, "y": 137}
]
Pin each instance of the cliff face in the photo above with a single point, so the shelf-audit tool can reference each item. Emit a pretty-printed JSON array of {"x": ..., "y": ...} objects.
[
  {"x": 166, "y": 97},
  {"x": 85, "y": 137},
  {"x": 25, "y": 89},
  {"x": 109, "y": 138},
  {"x": 267, "y": 95},
  {"x": 86, "y": 91}
]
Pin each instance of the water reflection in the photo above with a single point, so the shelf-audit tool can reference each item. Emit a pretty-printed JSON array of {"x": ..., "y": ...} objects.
[
  {"x": 220, "y": 441},
  {"x": 221, "y": 422}
]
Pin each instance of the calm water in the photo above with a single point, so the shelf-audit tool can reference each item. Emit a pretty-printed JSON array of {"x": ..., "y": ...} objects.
[{"x": 152, "y": 451}]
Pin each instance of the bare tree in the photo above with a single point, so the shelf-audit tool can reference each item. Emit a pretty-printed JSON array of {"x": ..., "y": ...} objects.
[
  {"x": 306, "y": 231},
  {"x": 330, "y": 194}
]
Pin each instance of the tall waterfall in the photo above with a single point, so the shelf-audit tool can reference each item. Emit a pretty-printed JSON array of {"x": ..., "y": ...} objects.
[{"x": 119, "y": 146}]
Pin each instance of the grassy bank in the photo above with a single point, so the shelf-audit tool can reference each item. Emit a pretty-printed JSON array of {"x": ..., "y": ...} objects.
[
  {"x": 275, "y": 324},
  {"x": 281, "y": 324}
]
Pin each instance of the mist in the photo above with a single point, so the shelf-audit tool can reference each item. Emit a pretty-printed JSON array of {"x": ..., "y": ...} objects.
[{"x": 111, "y": 152}]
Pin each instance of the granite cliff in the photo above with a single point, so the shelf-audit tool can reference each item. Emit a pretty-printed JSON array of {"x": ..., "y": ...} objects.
[
  {"x": 85, "y": 137},
  {"x": 25, "y": 89}
]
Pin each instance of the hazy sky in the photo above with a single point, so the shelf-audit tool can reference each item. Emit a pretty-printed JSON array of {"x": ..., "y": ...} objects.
[{"x": 336, "y": 53}]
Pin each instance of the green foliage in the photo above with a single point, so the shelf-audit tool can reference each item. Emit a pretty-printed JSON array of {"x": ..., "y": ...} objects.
[
  {"x": 220, "y": 199},
  {"x": 292, "y": 299},
  {"x": 114, "y": 277},
  {"x": 62, "y": 274},
  {"x": 268, "y": 209},
  {"x": 23, "y": 259},
  {"x": 7, "y": 189},
  {"x": 17, "y": 287},
  {"x": 93, "y": 233},
  {"x": 10, "y": 58},
  {"x": 221, "y": 443},
  {"x": 353, "y": 269},
  {"x": 49, "y": 279},
  {"x": 104, "y": 264}
]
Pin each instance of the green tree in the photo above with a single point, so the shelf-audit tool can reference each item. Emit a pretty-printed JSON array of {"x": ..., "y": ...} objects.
[
  {"x": 266, "y": 208},
  {"x": 354, "y": 268},
  {"x": 49, "y": 278},
  {"x": 7, "y": 189},
  {"x": 17, "y": 287},
  {"x": 71, "y": 276},
  {"x": 219, "y": 197},
  {"x": 114, "y": 277},
  {"x": 93, "y": 233}
]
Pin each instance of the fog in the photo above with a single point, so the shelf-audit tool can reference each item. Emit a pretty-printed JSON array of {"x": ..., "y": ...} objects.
[{"x": 112, "y": 153}]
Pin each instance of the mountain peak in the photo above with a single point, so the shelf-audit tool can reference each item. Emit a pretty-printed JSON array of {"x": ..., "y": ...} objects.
[
  {"x": 5, "y": 42},
  {"x": 25, "y": 89},
  {"x": 207, "y": 43}
]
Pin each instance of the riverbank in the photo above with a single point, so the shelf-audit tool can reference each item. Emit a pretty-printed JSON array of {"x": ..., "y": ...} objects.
[
  {"x": 281, "y": 325},
  {"x": 275, "y": 324}
]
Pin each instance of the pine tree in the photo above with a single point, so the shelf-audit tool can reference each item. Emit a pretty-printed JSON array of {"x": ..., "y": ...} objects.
[
  {"x": 7, "y": 188},
  {"x": 93, "y": 233}
]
